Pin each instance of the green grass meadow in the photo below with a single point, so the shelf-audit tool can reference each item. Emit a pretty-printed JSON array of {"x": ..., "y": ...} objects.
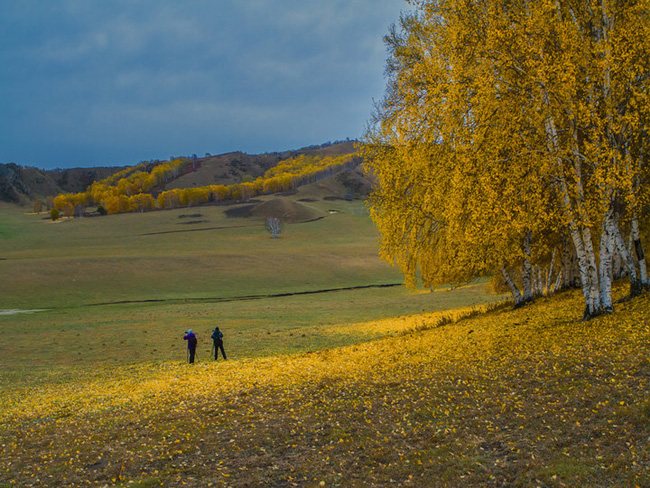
[
  {"x": 172, "y": 255},
  {"x": 122, "y": 289}
]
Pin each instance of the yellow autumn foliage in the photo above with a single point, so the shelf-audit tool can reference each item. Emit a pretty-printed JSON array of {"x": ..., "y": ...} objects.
[{"x": 509, "y": 130}]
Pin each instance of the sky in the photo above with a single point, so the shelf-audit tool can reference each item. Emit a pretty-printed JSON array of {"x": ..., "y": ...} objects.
[{"x": 88, "y": 83}]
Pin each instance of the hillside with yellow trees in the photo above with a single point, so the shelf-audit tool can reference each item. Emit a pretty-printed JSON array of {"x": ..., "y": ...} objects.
[{"x": 185, "y": 182}]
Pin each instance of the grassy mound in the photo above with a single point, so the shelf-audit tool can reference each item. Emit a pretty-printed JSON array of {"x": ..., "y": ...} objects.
[
  {"x": 530, "y": 397},
  {"x": 286, "y": 210},
  {"x": 344, "y": 185}
]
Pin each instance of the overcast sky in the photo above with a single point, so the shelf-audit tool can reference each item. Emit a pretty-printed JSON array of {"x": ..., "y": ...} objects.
[{"x": 116, "y": 82}]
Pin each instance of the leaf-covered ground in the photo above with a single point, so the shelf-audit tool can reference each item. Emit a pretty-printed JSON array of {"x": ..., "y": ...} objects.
[{"x": 530, "y": 397}]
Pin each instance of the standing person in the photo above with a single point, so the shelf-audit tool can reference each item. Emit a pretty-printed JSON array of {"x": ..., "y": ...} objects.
[
  {"x": 217, "y": 337},
  {"x": 190, "y": 337}
]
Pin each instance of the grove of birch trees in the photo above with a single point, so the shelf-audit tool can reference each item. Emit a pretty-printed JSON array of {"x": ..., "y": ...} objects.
[
  {"x": 512, "y": 141},
  {"x": 133, "y": 189}
]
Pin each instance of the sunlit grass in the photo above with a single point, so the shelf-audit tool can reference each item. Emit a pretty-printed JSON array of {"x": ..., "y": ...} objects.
[{"x": 40, "y": 347}]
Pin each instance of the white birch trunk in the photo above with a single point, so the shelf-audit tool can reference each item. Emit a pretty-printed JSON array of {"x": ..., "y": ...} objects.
[
  {"x": 549, "y": 275},
  {"x": 558, "y": 282},
  {"x": 607, "y": 247},
  {"x": 527, "y": 271},
  {"x": 636, "y": 285},
  {"x": 533, "y": 281},
  {"x": 568, "y": 263},
  {"x": 640, "y": 255},
  {"x": 619, "y": 265},
  {"x": 580, "y": 233},
  {"x": 588, "y": 272},
  {"x": 516, "y": 294},
  {"x": 585, "y": 255}
]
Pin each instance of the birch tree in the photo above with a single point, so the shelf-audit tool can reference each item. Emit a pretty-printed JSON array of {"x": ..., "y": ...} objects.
[{"x": 509, "y": 123}]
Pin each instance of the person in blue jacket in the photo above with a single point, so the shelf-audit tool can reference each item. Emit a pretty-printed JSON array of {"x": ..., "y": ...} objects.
[{"x": 190, "y": 337}]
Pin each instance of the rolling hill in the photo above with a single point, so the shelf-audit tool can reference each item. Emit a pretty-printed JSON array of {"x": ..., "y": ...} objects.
[{"x": 23, "y": 185}]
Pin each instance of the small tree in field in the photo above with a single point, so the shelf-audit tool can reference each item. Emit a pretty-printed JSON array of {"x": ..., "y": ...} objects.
[
  {"x": 38, "y": 206},
  {"x": 274, "y": 226}
]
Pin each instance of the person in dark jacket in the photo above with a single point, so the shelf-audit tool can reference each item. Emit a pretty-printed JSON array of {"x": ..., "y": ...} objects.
[
  {"x": 190, "y": 337},
  {"x": 217, "y": 337}
]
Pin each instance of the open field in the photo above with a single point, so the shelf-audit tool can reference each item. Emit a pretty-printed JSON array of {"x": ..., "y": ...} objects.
[
  {"x": 58, "y": 340},
  {"x": 180, "y": 254},
  {"x": 365, "y": 385},
  {"x": 530, "y": 397},
  {"x": 122, "y": 289}
]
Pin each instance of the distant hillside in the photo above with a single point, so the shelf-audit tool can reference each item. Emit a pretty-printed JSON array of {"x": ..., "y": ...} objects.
[
  {"x": 238, "y": 167},
  {"x": 23, "y": 185}
]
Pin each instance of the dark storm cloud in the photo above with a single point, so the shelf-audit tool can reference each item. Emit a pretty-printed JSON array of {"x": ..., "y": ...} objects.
[{"x": 90, "y": 82}]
